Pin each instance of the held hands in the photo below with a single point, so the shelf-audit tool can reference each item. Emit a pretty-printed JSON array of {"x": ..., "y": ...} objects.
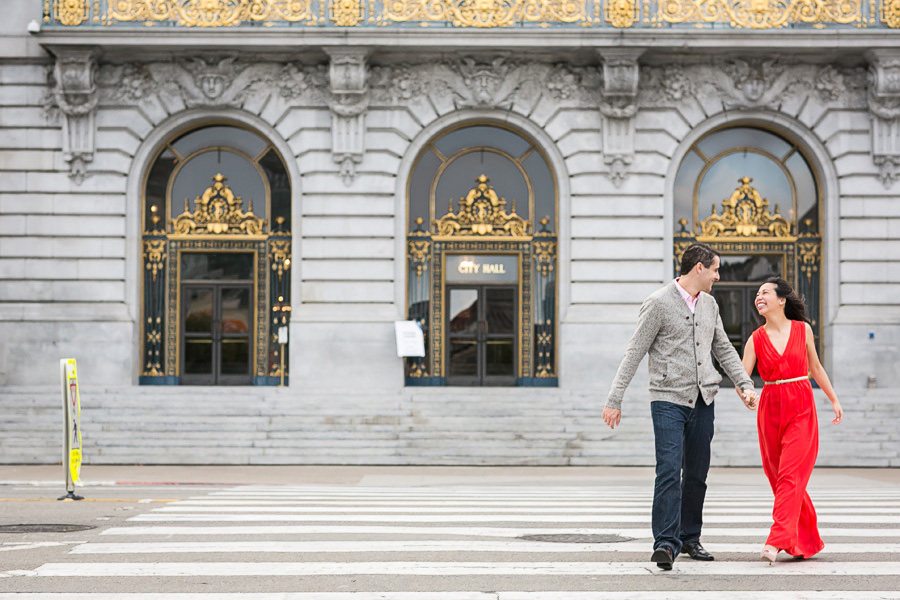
[
  {"x": 611, "y": 416},
  {"x": 749, "y": 398}
]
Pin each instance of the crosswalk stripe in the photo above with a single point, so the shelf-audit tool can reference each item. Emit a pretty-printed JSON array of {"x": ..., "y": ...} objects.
[
  {"x": 637, "y": 504},
  {"x": 186, "y": 514},
  {"x": 638, "y": 532},
  {"x": 412, "y": 540},
  {"x": 400, "y": 545},
  {"x": 499, "y": 595},
  {"x": 469, "y": 569},
  {"x": 485, "y": 509}
]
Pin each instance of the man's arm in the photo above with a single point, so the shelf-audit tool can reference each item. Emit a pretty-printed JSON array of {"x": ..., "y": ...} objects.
[
  {"x": 649, "y": 322},
  {"x": 728, "y": 357}
]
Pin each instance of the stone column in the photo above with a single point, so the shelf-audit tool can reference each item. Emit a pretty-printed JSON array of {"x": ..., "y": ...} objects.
[
  {"x": 76, "y": 96},
  {"x": 618, "y": 105},
  {"x": 349, "y": 100},
  {"x": 884, "y": 108}
]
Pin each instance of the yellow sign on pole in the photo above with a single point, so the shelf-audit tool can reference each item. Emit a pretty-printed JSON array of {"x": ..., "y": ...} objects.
[{"x": 72, "y": 430}]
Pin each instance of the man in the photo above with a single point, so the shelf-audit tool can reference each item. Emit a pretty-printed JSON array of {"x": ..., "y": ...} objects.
[{"x": 679, "y": 326}]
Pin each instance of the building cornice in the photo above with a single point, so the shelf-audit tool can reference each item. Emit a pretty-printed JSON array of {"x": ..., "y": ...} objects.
[{"x": 696, "y": 41}]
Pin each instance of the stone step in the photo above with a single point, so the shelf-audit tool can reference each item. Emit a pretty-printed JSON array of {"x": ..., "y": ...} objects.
[{"x": 125, "y": 425}]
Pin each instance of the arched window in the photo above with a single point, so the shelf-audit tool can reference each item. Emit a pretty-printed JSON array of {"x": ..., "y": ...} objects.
[
  {"x": 751, "y": 194},
  {"x": 482, "y": 273},
  {"x": 217, "y": 246}
]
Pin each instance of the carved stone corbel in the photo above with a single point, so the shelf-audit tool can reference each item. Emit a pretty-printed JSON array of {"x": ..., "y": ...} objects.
[
  {"x": 618, "y": 106},
  {"x": 75, "y": 93},
  {"x": 349, "y": 102},
  {"x": 884, "y": 108}
]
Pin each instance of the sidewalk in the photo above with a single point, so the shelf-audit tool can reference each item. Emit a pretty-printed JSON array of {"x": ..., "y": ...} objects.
[{"x": 105, "y": 475}]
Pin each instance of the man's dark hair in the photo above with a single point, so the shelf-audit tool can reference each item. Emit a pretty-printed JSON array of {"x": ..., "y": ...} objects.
[{"x": 698, "y": 252}]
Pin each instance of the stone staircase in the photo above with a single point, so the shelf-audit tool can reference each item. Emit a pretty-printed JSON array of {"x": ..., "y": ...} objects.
[{"x": 422, "y": 426}]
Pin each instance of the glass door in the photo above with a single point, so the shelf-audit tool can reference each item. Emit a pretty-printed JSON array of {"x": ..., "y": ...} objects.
[
  {"x": 481, "y": 335},
  {"x": 217, "y": 334},
  {"x": 217, "y": 318}
]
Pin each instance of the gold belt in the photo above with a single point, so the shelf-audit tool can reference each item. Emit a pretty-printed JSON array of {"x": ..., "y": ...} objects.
[{"x": 780, "y": 381}]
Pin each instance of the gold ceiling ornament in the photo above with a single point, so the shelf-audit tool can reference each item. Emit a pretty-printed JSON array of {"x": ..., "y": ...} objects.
[
  {"x": 762, "y": 14},
  {"x": 155, "y": 255},
  {"x": 485, "y": 13},
  {"x": 210, "y": 13},
  {"x": 745, "y": 214},
  {"x": 218, "y": 211},
  {"x": 621, "y": 13},
  {"x": 890, "y": 13},
  {"x": 71, "y": 12},
  {"x": 347, "y": 13},
  {"x": 482, "y": 213}
]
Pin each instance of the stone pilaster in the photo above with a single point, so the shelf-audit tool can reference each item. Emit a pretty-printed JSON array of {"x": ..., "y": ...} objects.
[
  {"x": 75, "y": 93},
  {"x": 618, "y": 105},
  {"x": 349, "y": 101},
  {"x": 884, "y": 108}
]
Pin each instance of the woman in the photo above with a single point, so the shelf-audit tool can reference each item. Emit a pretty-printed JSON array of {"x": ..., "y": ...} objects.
[{"x": 784, "y": 351}]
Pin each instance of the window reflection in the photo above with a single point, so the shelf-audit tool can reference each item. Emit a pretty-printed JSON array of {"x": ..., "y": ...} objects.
[
  {"x": 516, "y": 168},
  {"x": 723, "y": 178},
  {"x": 242, "y": 177},
  {"x": 710, "y": 171}
]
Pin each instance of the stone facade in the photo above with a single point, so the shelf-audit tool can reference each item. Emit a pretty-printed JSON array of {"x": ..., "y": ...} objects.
[{"x": 82, "y": 112}]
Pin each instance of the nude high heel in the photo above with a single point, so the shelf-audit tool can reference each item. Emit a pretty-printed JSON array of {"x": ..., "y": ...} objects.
[{"x": 770, "y": 554}]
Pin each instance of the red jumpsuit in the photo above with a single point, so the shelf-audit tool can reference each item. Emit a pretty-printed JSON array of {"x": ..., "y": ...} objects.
[{"x": 789, "y": 441}]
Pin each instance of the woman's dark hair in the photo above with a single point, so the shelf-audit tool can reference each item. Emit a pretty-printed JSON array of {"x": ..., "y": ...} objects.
[
  {"x": 794, "y": 305},
  {"x": 698, "y": 252}
]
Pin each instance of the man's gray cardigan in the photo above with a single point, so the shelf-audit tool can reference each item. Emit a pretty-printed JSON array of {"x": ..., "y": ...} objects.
[{"x": 681, "y": 346}]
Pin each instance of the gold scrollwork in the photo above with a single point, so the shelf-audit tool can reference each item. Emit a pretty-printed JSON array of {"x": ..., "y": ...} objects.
[
  {"x": 621, "y": 13},
  {"x": 761, "y": 14},
  {"x": 418, "y": 255},
  {"x": 680, "y": 247},
  {"x": 544, "y": 256},
  {"x": 71, "y": 12},
  {"x": 482, "y": 213},
  {"x": 417, "y": 369},
  {"x": 890, "y": 13},
  {"x": 745, "y": 214},
  {"x": 347, "y": 13},
  {"x": 210, "y": 13},
  {"x": 218, "y": 211},
  {"x": 485, "y": 13},
  {"x": 280, "y": 253},
  {"x": 155, "y": 255},
  {"x": 808, "y": 252}
]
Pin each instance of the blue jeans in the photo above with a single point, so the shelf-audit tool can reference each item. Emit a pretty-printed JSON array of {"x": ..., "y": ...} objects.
[{"x": 683, "y": 436}]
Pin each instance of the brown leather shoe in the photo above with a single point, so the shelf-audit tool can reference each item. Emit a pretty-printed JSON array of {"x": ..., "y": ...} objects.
[{"x": 663, "y": 557}]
